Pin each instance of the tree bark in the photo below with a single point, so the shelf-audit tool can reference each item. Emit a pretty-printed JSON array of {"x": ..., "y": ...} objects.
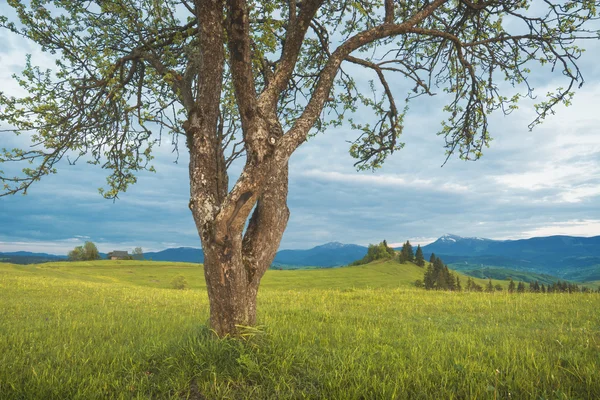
[{"x": 234, "y": 266}]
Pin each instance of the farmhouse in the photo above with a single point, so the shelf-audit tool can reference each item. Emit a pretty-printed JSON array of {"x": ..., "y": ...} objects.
[{"x": 119, "y": 255}]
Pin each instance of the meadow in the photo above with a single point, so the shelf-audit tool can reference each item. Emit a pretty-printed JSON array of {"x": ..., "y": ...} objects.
[{"x": 115, "y": 329}]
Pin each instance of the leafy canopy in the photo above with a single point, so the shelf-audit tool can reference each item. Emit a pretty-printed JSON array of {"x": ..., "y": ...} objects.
[{"x": 126, "y": 75}]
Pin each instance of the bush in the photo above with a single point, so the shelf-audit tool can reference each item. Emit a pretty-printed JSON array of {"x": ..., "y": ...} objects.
[{"x": 179, "y": 282}]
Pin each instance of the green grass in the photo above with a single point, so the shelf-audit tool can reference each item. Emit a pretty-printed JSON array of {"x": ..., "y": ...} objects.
[{"x": 115, "y": 330}]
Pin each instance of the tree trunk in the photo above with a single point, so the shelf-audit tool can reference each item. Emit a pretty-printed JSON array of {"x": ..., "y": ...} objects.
[{"x": 234, "y": 267}]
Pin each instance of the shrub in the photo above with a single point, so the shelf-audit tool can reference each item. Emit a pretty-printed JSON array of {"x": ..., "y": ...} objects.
[{"x": 179, "y": 282}]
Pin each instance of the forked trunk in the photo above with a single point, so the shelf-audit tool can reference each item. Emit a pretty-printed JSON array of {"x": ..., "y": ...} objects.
[
  {"x": 234, "y": 260},
  {"x": 233, "y": 269}
]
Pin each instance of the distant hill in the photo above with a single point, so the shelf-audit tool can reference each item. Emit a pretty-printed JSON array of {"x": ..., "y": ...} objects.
[
  {"x": 179, "y": 254},
  {"x": 328, "y": 255},
  {"x": 26, "y": 257},
  {"x": 506, "y": 274},
  {"x": 561, "y": 256},
  {"x": 332, "y": 254},
  {"x": 565, "y": 257}
]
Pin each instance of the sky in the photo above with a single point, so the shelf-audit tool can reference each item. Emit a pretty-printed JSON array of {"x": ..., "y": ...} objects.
[{"x": 528, "y": 183}]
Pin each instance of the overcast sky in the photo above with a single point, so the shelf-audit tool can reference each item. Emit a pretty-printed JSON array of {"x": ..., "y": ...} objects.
[{"x": 539, "y": 183}]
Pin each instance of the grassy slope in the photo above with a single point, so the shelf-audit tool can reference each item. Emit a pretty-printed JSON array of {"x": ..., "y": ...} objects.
[
  {"x": 378, "y": 274},
  {"x": 110, "y": 330}
]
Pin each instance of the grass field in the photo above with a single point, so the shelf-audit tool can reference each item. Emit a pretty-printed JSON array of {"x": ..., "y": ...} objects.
[{"x": 115, "y": 330}]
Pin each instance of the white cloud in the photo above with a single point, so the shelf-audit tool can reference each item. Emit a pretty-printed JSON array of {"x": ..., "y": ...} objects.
[
  {"x": 571, "y": 228},
  {"x": 383, "y": 180}
]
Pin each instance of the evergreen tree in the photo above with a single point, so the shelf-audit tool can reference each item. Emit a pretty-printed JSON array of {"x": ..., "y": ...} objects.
[
  {"x": 511, "y": 286},
  {"x": 428, "y": 278},
  {"x": 469, "y": 284},
  {"x": 458, "y": 287},
  {"x": 438, "y": 274},
  {"x": 419, "y": 259},
  {"x": 489, "y": 288},
  {"x": 432, "y": 258},
  {"x": 407, "y": 254},
  {"x": 450, "y": 281},
  {"x": 521, "y": 287},
  {"x": 543, "y": 288}
]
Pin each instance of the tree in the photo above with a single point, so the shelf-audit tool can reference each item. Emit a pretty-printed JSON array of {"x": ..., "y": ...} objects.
[
  {"x": 253, "y": 80},
  {"x": 489, "y": 287},
  {"x": 521, "y": 287},
  {"x": 87, "y": 252},
  {"x": 511, "y": 286},
  {"x": 419, "y": 259},
  {"x": 376, "y": 252},
  {"x": 432, "y": 258},
  {"x": 428, "y": 278},
  {"x": 406, "y": 254},
  {"x": 77, "y": 254},
  {"x": 91, "y": 251},
  {"x": 391, "y": 252},
  {"x": 138, "y": 253}
]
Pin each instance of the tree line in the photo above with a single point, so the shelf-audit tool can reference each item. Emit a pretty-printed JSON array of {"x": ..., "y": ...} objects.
[
  {"x": 383, "y": 251},
  {"x": 89, "y": 252},
  {"x": 438, "y": 276}
]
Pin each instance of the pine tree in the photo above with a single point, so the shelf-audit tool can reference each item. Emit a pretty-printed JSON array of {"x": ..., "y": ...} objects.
[
  {"x": 489, "y": 288},
  {"x": 419, "y": 259},
  {"x": 432, "y": 258},
  {"x": 521, "y": 287},
  {"x": 511, "y": 286},
  {"x": 458, "y": 287},
  {"x": 407, "y": 254},
  {"x": 428, "y": 278},
  {"x": 450, "y": 281}
]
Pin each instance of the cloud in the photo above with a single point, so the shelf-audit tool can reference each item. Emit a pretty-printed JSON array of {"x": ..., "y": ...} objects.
[
  {"x": 589, "y": 227},
  {"x": 542, "y": 182},
  {"x": 383, "y": 180}
]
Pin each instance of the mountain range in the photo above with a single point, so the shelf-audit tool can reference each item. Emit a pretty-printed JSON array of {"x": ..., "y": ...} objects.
[{"x": 566, "y": 257}]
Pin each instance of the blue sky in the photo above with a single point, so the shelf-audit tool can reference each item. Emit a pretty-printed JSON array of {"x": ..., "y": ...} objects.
[{"x": 538, "y": 183}]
